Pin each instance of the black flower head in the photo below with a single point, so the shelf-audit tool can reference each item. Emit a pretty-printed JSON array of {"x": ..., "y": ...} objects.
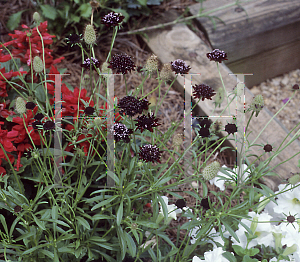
[
  {"x": 217, "y": 55},
  {"x": 180, "y": 67},
  {"x": 37, "y": 125},
  {"x": 291, "y": 219},
  {"x": 230, "y": 128},
  {"x": 150, "y": 153},
  {"x": 73, "y": 39},
  {"x": 122, "y": 63},
  {"x": 121, "y": 132},
  {"x": 49, "y": 125},
  {"x": 17, "y": 209},
  {"x": 180, "y": 203},
  {"x": 204, "y": 203},
  {"x": 130, "y": 106},
  {"x": 203, "y": 91},
  {"x": 89, "y": 110},
  {"x": 268, "y": 148},
  {"x": 87, "y": 63},
  {"x": 144, "y": 122},
  {"x": 295, "y": 87},
  {"x": 144, "y": 104},
  {"x": 39, "y": 116},
  {"x": 204, "y": 132},
  {"x": 205, "y": 123},
  {"x": 30, "y": 105},
  {"x": 112, "y": 19}
]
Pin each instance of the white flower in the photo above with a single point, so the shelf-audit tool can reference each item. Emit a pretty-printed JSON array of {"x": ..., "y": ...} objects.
[
  {"x": 262, "y": 231},
  {"x": 172, "y": 211},
  {"x": 288, "y": 202},
  {"x": 212, "y": 256},
  {"x": 219, "y": 181}
]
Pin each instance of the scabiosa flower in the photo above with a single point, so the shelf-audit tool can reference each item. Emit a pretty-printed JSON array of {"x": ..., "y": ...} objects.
[
  {"x": 39, "y": 116},
  {"x": 204, "y": 132},
  {"x": 130, "y": 106},
  {"x": 90, "y": 35},
  {"x": 30, "y": 105},
  {"x": 295, "y": 87},
  {"x": 205, "y": 123},
  {"x": 122, "y": 63},
  {"x": 144, "y": 122},
  {"x": 217, "y": 55},
  {"x": 144, "y": 104},
  {"x": 268, "y": 148},
  {"x": 121, "y": 132},
  {"x": 37, "y": 125},
  {"x": 150, "y": 153},
  {"x": 87, "y": 63},
  {"x": 49, "y": 125},
  {"x": 152, "y": 64},
  {"x": 203, "y": 91},
  {"x": 180, "y": 67},
  {"x": 180, "y": 203},
  {"x": 89, "y": 110},
  {"x": 230, "y": 128},
  {"x": 211, "y": 170},
  {"x": 73, "y": 39},
  {"x": 257, "y": 104},
  {"x": 112, "y": 19}
]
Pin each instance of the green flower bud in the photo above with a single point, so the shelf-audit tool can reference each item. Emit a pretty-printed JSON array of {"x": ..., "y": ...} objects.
[
  {"x": 257, "y": 104},
  {"x": 254, "y": 224},
  {"x": 98, "y": 121},
  {"x": 38, "y": 64},
  {"x": 294, "y": 179},
  {"x": 211, "y": 171},
  {"x": 21, "y": 105},
  {"x": 220, "y": 95},
  {"x": 36, "y": 17},
  {"x": 89, "y": 35}
]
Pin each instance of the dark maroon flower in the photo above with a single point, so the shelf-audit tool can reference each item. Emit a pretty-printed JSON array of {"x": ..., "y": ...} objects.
[
  {"x": 39, "y": 116},
  {"x": 121, "y": 132},
  {"x": 268, "y": 148},
  {"x": 295, "y": 87},
  {"x": 291, "y": 219},
  {"x": 150, "y": 153},
  {"x": 89, "y": 110},
  {"x": 122, "y": 63},
  {"x": 73, "y": 39},
  {"x": 203, "y": 91},
  {"x": 87, "y": 63},
  {"x": 180, "y": 203},
  {"x": 112, "y": 19},
  {"x": 144, "y": 122},
  {"x": 37, "y": 125},
  {"x": 217, "y": 55},
  {"x": 30, "y": 105},
  {"x": 17, "y": 209},
  {"x": 204, "y": 203},
  {"x": 205, "y": 123},
  {"x": 204, "y": 132},
  {"x": 230, "y": 128},
  {"x": 144, "y": 104},
  {"x": 180, "y": 67},
  {"x": 130, "y": 106},
  {"x": 49, "y": 125}
]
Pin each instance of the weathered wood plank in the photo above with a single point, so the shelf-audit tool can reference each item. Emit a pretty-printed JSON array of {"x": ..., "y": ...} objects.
[
  {"x": 178, "y": 42},
  {"x": 261, "y": 33}
]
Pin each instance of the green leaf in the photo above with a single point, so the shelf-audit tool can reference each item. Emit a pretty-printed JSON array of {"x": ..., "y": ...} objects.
[
  {"x": 239, "y": 250},
  {"x": 83, "y": 222},
  {"x": 49, "y": 12},
  {"x": 38, "y": 222},
  {"x": 47, "y": 253},
  {"x": 164, "y": 208},
  {"x": 249, "y": 259},
  {"x": 229, "y": 256},
  {"x": 14, "y": 20},
  {"x": 122, "y": 242},
  {"x": 147, "y": 224},
  {"x": 120, "y": 213},
  {"x": 230, "y": 230},
  {"x": 55, "y": 212},
  {"x": 31, "y": 250},
  {"x": 103, "y": 203},
  {"x": 40, "y": 93},
  {"x": 130, "y": 244},
  {"x": 85, "y": 10},
  {"x": 3, "y": 222}
]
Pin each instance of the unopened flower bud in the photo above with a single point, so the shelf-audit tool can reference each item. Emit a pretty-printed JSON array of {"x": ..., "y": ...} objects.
[
  {"x": 21, "y": 105},
  {"x": 105, "y": 69},
  {"x": 36, "y": 17},
  {"x": 152, "y": 64},
  {"x": 211, "y": 170},
  {"x": 89, "y": 35},
  {"x": 254, "y": 224},
  {"x": 98, "y": 121},
  {"x": 257, "y": 104},
  {"x": 220, "y": 95},
  {"x": 294, "y": 179},
  {"x": 166, "y": 72},
  {"x": 38, "y": 64}
]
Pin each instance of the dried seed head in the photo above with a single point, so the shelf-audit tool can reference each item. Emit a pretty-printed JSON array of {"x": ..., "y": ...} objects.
[
  {"x": 178, "y": 140},
  {"x": 211, "y": 170},
  {"x": 166, "y": 72},
  {"x": 38, "y": 64},
  {"x": 36, "y": 17},
  {"x": 257, "y": 104},
  {"x": 220, "y": 95},
  {"x": 21, "y": 105},
  {"x": 89, "y": 35},
  {"x": 152, "y": 64}
]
